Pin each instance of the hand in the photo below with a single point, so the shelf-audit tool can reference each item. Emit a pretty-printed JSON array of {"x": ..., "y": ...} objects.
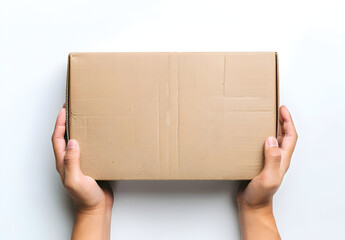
[
  {"x": 255, "y": 198},
  {"x": 93, "y": 201}
]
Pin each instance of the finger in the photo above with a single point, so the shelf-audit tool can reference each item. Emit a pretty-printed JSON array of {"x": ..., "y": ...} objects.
[
  {"x": 287, "y": 134},
  {"x": 108, "y": 191},
  {"x": 71, "y": 161},
  {"x": 272, "y": 159},
  {"x": 243, "y": 184},
  {"x": 58, "y": 140},
  {"x": 105, "y": 186}
]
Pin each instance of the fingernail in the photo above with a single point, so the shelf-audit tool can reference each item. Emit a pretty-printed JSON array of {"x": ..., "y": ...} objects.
[
  {"x": 70, "y": 144},
  {"x": 272, "y": 142}
]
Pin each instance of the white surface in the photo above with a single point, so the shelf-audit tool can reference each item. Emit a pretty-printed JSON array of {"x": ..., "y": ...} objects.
[{"x": 35, "y": 38}]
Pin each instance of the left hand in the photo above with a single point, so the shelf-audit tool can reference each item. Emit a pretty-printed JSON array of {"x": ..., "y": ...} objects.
[{"x": 88, "y": 195}]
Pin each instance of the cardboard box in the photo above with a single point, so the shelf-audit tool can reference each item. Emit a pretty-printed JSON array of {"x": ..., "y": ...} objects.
[{"x": 172, "y": 115}]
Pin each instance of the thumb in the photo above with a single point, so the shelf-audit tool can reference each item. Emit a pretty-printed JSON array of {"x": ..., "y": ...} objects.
[
  {"x": 272, "y": 156},
  {"x": 71, "y": 159}
]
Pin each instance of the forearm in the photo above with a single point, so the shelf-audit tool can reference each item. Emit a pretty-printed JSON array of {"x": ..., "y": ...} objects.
[
  {"x": 258, "y": 223},
  {"x": 92, "y": 225}
]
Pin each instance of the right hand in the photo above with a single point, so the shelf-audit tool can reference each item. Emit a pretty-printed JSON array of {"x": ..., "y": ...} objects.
[
  {"x": 255, "y": 198},
  {"x": 260, "y": 190}
]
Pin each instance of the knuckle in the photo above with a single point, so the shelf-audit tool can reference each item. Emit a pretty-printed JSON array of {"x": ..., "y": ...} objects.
[
  {"x": 71, "y": 183},
  {"x": 264, "y": 177},
  {"x": 274, "y": 184},
  {"x": 68, "y": 158},
  {"x": 269, "y": 182},
  {"x": 275, "y": 155}
]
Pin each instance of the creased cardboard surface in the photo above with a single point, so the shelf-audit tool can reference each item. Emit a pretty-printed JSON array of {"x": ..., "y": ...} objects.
[{"x": 172, "y": 115}]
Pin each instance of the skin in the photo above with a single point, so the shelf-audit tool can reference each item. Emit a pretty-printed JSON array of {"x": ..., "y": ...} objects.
[
  {"x": 94, "y": 200},
  {"x": 255, "y": 198}
]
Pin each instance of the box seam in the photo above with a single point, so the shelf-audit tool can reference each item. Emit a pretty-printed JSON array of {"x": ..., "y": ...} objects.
[
  {"x": 277, "y": 93},
  {"x": 67, "y": 102}
]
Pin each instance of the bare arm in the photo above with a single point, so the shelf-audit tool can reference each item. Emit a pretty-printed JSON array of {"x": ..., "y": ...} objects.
[
  {"x": 255, "y": 198},
  {"x": 93, "y": 200}
]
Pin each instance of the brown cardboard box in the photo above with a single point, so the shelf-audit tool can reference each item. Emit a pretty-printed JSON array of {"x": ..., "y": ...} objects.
[{"x": 172, "y": 115}]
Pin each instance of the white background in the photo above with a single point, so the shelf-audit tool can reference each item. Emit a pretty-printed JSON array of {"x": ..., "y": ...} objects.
[{"x": 35, "y": 39}]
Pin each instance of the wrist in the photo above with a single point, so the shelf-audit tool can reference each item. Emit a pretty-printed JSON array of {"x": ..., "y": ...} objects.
[
  {"x": 100, "y": 214},
  {"x": 92, "y": 211},
  {"x": 102, "y": 207},
  {"x": 89, "y": 225},
  {"x": 265, "y": 208},
  {"x": 257, "y": 221},
  {"x": 92, "y": 223}
]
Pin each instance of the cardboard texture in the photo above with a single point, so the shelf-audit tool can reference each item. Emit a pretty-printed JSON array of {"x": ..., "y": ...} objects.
[{"x": 172, "y": 115}]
